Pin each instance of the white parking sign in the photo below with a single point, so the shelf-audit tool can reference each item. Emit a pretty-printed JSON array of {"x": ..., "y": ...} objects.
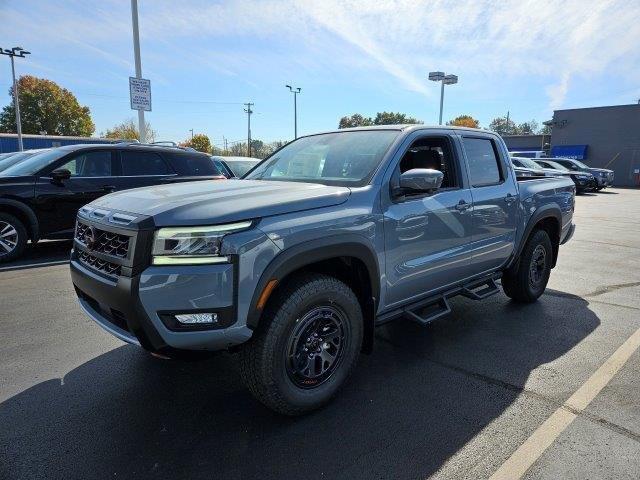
[{"x": 140, "y": 92}]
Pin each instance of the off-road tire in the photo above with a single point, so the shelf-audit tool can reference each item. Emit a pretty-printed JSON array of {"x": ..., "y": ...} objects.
[
  {"x": 264, "y": 363},
  {"x": 518, "y": 284},
  {"x": 7, "y": 219}
]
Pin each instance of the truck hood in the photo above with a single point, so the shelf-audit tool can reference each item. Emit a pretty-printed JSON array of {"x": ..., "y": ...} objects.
[{"x": 207, "y": 202}]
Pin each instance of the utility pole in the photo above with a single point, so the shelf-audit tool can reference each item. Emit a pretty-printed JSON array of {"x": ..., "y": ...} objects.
[
  {"x": 20, "y": 53},
  {"x": 295, "y": 92},
  {"x": 224, "y": 141},
  {"x": 136, "y": 53},
  {"x": 506, "y": 127},
  {"x": 191, "y": 130},
  {"x": 248, "y": 111}
]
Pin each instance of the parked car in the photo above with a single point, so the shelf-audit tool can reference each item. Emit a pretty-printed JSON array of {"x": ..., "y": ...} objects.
[
  {"x": 584, "y": 181},
  {"x": 41, "y": 193},
  {"x": 235, "y": 166},
  {"x": 529, "y": 164},
  {"x": 603, "y": 177},
  {"x": 336, "y": 233}
]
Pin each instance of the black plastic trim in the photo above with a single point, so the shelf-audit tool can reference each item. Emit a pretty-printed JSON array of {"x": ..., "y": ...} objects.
[{"x": 298, "y": 256}]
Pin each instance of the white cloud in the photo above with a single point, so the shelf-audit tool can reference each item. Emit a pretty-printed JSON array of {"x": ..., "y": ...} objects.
[{"x": 556, "y": 43}]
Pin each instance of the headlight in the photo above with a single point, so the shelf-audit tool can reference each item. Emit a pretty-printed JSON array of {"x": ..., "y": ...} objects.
[{"x": 192, "y": 245}]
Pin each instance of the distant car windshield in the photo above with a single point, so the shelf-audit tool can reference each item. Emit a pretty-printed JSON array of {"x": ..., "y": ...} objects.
[
  {"x": 240, "y": 167},
  {"x": 340, "y": 158},
  {"x": 526, "y": 162},
  {"x": 556, "y": 165},
  {"x": 33, "y": 164},
  {"x": 12, "y": 159}
]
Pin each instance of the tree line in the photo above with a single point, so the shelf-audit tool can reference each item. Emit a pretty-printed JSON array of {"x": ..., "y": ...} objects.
[
  {"x": 48, "y": 108},
  {"x": 500, "y": 125}
]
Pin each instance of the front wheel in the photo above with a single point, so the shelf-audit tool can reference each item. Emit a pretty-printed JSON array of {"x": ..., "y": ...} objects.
[
  {"x": 306, "y": 345},
  {"x": 530, "y": 279},
  {"x": 13, "y": 237}
]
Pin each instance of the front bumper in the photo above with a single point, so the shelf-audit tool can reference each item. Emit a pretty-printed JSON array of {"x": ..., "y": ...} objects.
[
  {"x": 139, "y": 309},
  {"x": 604, "y": 182}
]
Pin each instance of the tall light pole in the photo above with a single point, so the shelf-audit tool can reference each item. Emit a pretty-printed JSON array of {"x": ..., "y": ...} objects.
[
  {"x": 295, "y": 91},
  {"x": 446, "y": 80},
  {"x": 248, "y": 111},
  {"x": 16, "y": 52},
  {"x": 136, "y": 53}
]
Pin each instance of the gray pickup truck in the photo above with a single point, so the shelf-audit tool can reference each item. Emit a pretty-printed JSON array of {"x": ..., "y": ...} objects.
[{"x": 295, "y": 265}]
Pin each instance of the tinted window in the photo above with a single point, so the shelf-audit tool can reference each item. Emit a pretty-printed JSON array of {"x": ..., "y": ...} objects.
[
  {"x": 143, "y": 163},
  {"x": 240, "y": 167},
  {"x": 194, "y": 165},
  {"x": 90, "y": 164},
  {"x": 568, "y": 164},
  {"x": 483, "y": 161}
]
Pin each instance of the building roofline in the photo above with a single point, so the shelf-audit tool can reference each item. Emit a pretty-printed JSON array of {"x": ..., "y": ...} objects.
[{"x": 626, "y": 105}]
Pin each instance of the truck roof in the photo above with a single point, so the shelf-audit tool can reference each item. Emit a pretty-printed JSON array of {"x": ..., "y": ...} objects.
[{"x": 405, "y": 128}]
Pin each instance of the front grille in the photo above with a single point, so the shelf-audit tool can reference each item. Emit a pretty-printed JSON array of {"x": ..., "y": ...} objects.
[
  {"x": 108, "y": 268},
  {"x": 102, "y": 241}
]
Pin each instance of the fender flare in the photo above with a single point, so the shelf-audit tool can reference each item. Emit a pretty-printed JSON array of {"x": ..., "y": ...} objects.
[
  {"x": 34, "y": 227},
  {"x": 545, "y": 211},
  {"x": 306, "y": 253}
]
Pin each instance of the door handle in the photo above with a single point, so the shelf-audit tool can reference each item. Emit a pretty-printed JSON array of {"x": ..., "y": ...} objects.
[
  {"x": 510, "y": 198},
  {"x": 462, "y": 206},
  {"x": 108, "y": 188}
]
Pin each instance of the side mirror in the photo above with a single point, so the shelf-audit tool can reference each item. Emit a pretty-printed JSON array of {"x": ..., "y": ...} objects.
[
  {"x": 421, "y": 180},
  {"x": 60, "y": 175}
]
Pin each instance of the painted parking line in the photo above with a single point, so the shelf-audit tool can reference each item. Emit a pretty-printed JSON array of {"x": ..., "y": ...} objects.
[
  {"x": 33, "y": 265},
  {"x": 533, "y": 448}
]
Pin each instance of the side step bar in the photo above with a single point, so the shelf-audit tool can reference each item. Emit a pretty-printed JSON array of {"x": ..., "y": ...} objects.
[
  {"x": 481, "y": 291},
  {"x": 427, "y": 313},
  {"x": 428, "y": 310}
]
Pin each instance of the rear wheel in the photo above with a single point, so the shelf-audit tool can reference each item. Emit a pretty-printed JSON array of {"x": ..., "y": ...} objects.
[
  {"x": 530, "y": 279},
  {"x": 306, "y": 345},
  {"x": 13, "y": 237}
]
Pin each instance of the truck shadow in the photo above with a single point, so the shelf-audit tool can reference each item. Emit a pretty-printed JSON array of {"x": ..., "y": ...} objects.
[{"x": 419, "y": 398}]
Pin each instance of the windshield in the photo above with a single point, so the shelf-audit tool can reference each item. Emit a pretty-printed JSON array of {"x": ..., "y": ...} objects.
[
  {"x": 580, "y": 164},
  {"x": 9, "y": 160},
  {"x": 33, "y": 164},
  {"x": 240, "y": 167},
  {"x": 556, "y": 165},
  {"x": 341, "y": 158},
  {"x": 526, "y": 162}
]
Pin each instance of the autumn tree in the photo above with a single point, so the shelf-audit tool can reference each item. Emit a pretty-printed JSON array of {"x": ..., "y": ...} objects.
[
  {"x": 199, "y": 142},
  {"x": 464, "y": 121},
  {"x": 128, "y": 130},
  {"x": 46, "y": 107},
  {"x": 381, "y": 118}
]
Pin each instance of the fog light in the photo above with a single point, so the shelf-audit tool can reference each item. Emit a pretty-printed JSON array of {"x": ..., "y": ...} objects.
[{"x": 197, "y": 318}]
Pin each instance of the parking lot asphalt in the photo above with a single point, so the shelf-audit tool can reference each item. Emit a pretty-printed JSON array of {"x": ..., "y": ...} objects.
[{"x": 456, "y": 399}]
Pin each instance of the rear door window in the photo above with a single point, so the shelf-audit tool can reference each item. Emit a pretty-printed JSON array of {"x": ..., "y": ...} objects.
[
  {"x": 484, "y": 167},
  {"x": 143, "y": 164},
  {"x": 194, "y": 165}
]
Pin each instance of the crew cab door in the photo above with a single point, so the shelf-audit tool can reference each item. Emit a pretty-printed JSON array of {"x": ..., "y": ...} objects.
[
  {"x": 92, "y": 175},
  {"x": 427, "y": 236},
  {"x": 495, "y": 201}
]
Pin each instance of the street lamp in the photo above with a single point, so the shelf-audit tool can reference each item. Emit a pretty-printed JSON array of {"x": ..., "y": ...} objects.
[
  {"x": 16, "y": 52},
  {"x": 295, "y": 92},
  {"x": 446, "y": 80}
]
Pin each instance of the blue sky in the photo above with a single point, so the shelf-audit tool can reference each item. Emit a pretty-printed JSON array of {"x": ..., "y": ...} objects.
[{"x": 206, "y": 58}]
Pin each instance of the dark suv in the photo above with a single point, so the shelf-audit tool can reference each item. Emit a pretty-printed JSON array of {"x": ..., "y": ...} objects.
[{"x": 40, "y": 195}]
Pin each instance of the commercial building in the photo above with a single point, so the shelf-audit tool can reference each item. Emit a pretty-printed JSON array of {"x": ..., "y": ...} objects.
[
  {"x": 527, "y": 143},
  {"x": 9, "y": 141},
  {"x": 601, "y": 137}
]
